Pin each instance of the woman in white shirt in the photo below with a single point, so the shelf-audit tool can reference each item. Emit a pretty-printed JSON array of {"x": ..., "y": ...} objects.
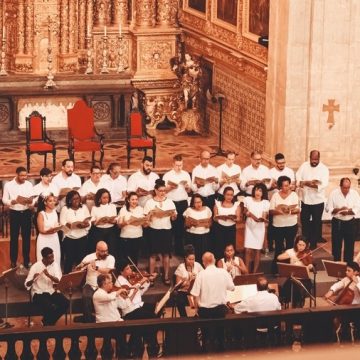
[
  {"x": 76, "y": 218},
  {"x": 160, "y": 235},
  {"x": 197, "y": 234},
  {"x": 233, "y": 264},
  {"x": 256, "y": 212},
  {"x": 226, "y": 214},
  {"x": 104, "y": 218},
  {"x": 284, "y": 206},
  {"x": 186, "y": 273},
  {"x": 131, "y": 235},
  {"x": 47, "y": 225}
]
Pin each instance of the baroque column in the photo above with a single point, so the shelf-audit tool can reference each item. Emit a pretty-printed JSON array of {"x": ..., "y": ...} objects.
[
  {"x": 29, "y": 27},
  {"x": 2, "y": 20},
  {"x": 21, "y": 24},
  {"x": 64, "y": 26},
  {"x": 121, "y": 12},
  {"x": 82, "y": 24},
  {"x": 89, "y": 15},
  {"x": 73, "y": 29},
  {"x": 167, "y": 12},
  {"x": 145, "y": 12}
]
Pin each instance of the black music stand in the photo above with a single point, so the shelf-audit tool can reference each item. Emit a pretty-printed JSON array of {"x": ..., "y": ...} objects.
[
  {"x": 247, "y": 279},
  {"x": 68, "y": 283},
  {"x": 335, "y": 268},
  {"x": 4, "y": 278},
  {"x": 294, "y": 273}
]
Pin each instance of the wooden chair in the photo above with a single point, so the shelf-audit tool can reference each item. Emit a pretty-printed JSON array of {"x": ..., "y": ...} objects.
[
  {"x": 137, "y": 136},
  {"x": 37, "y": 141},
  {"x": 83, "y": 135}
]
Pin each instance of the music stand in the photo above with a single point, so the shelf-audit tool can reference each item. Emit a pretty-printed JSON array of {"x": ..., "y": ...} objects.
[
  {"x": 4, "y": 278},
  {"x": 68, "y": 282},
  {"x": 160, "y": 305},
  {"x": 247, "y": 279},
  {"x": 335, "y": 268}
]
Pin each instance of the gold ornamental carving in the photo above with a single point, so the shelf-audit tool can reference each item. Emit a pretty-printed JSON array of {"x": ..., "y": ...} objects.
[
  {"x": 167, "y": 12},
  {"x": 155, "y": 55},
  {"x": 145, "y": 12},
  {"x": 102, "y": 12}
]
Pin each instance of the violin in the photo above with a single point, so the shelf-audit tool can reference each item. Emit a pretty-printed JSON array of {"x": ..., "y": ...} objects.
[{"x": 305, "y": 257}]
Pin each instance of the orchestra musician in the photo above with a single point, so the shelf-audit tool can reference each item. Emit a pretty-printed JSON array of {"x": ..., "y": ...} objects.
[
  {"x": 40, "y": 280},
  {"x": 233, "y": 264},
  {"x": 99, "y": 262},
  {"x": 186, "y": 273},
  {"x": 300, "y": 254}
]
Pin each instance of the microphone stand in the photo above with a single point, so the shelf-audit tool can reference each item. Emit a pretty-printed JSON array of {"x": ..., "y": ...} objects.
[
  {"x": 218, "y": 98},
  {"x": 6, "y": 325}
]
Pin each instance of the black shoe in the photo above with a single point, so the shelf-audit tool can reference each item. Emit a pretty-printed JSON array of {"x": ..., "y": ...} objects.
[{"x": 13, "y": 265}]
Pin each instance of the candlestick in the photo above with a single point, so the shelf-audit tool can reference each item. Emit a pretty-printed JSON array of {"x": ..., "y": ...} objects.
[
  {"x": 120, "y": 30},
  {"x": 89, "y": 68},
  {"x": 105, "y": 33},
  {"x": 4, "y": 32},
  {"x": 3, "y": 57},
  {"x": 104, "y": 68}
]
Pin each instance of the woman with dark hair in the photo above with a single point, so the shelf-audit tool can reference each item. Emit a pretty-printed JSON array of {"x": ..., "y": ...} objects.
[
  {"x": 47, "y": 224},
  {"x": 104, "y": 218},
  {"x": 256, "y": 208},
  {"x": 233, "y": 264},
  {"x": 76, "y": 218},
  {"x": 131, "y": 233},
  {"x": 197, "y": 224},
  {"x": 226, "y": 215},
  {"x": 284, "y": 206},
  {"x": 161, "y": 211},
  {"x": 186, "y": 273}
]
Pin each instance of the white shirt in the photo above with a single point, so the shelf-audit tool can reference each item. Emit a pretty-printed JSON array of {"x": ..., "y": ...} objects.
[
  {"x": 275, "y": 173},
  {"x": 229, "y": 266},
  {"x": 43, "y": 189},
  {"x": 68, "y": 215},
  {"x": 287, "y": 219},
  {"x": 338, "y": 200},
  {"x": 183, "y": 273},
  {"x": 92, "y": 274},
  {"x": 355, "y": 287},
  {"x": 131, "y": 231},
  {"x": 155, "y": 222},
  {"x": 306, "y": 172},
  {"x": 261, "y": 301},
  {"x": 105, "y": 305},
  {"x": 205, "y": 213},
  {"x": 179, "y": 193},
  {"x": 13, "y": 189},
  {"x": 250, "y": 173},
  {"x": 210, "y": 286},
  {"x": 43, "y": 283},
  {"x": 145, "y": 182},
  {"x": 97, "y": 212},
  {"x": 90, "y": 187},
  {"x": 116, "y": 187},
  {"x": 294, "y": 260},
  {"x": 71, "y": 182},
  {"x": 226, "y": 211},
  {"x": 229, "y": 171},
  {"x": 204, "y": 173}
]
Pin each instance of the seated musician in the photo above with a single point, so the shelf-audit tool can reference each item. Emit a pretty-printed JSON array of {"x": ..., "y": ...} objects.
[
  {"x": 134, "y": 308},
  {"x": 41, "y": 279},
  {"x": 263, "y": 300},
  {"x": 346, "y": 292},
  {"x": 106, "y": 300},
  {"x": 300, "y": 254},
  {"x": 233, "y": 264},
  {"x": 99, "y": 262},
  {"x": 186, "y": 273}
]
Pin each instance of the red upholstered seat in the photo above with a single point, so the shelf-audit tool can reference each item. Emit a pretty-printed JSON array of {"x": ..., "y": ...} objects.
[
  {"x": 137, "y": 136},
  {"x": 83, "y": 135},
  {"x": 37, "y": 140}
]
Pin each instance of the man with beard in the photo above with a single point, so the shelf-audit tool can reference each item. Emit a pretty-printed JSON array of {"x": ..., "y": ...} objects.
[
  {"x": 143, "y": 181},
  {"x": 280, "y": 169},
  {"x": 99, "y": 262},
  {"x": 18, "y": 196},
  {"x": 313, "y": 178},
  {"x": 66, "y": 179}
]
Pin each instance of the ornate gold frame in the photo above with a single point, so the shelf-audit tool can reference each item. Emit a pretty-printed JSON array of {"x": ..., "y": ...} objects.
[
  {"x": 195, "y": 12},
  {"x": 222, "y": 23},
  {"x": 245, "y": 22}
]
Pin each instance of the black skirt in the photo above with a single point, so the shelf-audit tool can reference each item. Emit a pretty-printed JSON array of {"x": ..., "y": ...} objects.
[{"x": 160, "y": 241}]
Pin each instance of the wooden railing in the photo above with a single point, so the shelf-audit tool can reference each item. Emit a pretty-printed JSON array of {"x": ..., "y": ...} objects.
[{"x": 179, "y": 333}]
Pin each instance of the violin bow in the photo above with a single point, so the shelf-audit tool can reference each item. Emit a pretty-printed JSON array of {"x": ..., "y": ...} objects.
[
  {"x": 136, "y": 268},
  {"x": 312, "y": 251}
]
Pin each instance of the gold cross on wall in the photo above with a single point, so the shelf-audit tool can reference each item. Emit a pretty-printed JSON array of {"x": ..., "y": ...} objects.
[{"x": 331, "y": 107}]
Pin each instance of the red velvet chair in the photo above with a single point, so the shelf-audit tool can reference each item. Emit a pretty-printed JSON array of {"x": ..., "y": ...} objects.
[
  {"x": 137, "y": 136},
  {"x": 83, "y": 135},
  {"x": 37, "y": 141}
]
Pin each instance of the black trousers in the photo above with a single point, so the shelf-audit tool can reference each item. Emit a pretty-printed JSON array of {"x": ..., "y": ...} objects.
[
  {"x": 52, "y": 306},
  {"x": 223, "y": 236},
  {"x": 200, "y": 243},
  {"x": 217, "y": 333},
  {"x": 178, "y": 227},
  {"x": 129, "y": 247},
  {"x": 209, "y": 201},
  {"x": 20, "y": 221},
  {"x": 74, "y": 252},
  {"x": 87, "y": 300},
  {"x": 311, "y": 222},
  {"x": 343, "y": 232}
]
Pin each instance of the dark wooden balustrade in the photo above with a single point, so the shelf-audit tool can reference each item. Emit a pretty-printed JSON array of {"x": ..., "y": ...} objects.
[{"x": 180, "y": 333}]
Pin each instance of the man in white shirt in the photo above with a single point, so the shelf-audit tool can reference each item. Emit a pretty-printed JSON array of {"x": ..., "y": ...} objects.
[
  {"x": 312, "y": 177},
  {"x": 89, "y": 188},
  {"x": 280, "y": 169},
  {"x": 99, "y": 262},
  {"x": 205, "y": 180},
  {"x": 41, "y": 279},
  {"x": 263, "y": 300},
  {"x": 66, "y": 178},
  {"x": 45, "y": 186},
  {"x": 255, "y": 173},
  {"x": 178, "y": 185},
  {"x": 229, "y": 174},
  {"x": 143, "y": 181},
  {"x": 210, "y": 290},
  {"x": 18, "y": 195},
  {"x": 115, "y": 183},
  {"x": 343, "y": 205}
]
